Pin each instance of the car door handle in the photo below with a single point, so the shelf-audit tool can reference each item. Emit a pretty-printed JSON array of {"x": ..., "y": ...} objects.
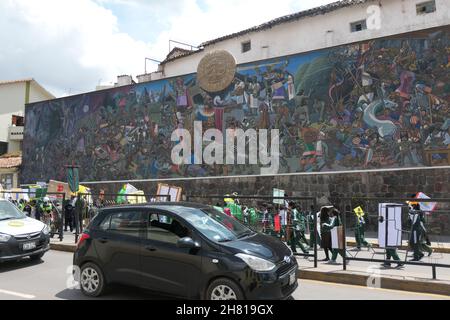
[
  {"x": 150, "y": 248},
  {"x": 104, "y": 240}
]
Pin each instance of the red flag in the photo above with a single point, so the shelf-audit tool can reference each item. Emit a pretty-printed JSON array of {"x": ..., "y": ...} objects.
[{"x": 277, "y": 222}]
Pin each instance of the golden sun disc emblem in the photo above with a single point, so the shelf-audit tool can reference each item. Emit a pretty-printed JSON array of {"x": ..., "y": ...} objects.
[{"x": 216, "y": 71}]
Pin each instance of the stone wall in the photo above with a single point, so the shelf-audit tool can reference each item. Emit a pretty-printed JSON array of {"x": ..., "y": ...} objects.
[{"x": 388, "y": 184}]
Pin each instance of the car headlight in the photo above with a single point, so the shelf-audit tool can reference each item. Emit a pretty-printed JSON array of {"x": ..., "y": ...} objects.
[
  {"x": 255, "y": 263},
  {"x": 46, "y": 230},
  {"x": 4, "y": 237}
]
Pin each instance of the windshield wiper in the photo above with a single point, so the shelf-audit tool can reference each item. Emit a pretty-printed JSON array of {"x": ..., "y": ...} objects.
[
  {"x": 246, "y": 234},
  {"x": 225, "y": 240}
]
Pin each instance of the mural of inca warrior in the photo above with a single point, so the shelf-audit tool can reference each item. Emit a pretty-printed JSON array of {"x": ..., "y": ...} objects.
[{"x": 379, "y": 104}]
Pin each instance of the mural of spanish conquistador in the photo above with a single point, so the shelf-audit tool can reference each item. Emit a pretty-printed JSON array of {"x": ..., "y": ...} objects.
[{"x": 378, "y": 104}]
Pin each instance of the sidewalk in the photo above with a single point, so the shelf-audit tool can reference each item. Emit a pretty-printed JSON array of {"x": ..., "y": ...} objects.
[{"x": 68, "y": 244}]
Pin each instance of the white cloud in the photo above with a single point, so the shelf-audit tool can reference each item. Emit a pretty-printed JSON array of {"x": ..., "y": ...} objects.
[{"x": 70, "y": 45}]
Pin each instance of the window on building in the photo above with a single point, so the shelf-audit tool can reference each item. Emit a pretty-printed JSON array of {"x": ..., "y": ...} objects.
[
  {"x": 246, "y": 46},
  {"x": 6, "y": 180},
  {"x": 426, "y": 7},
  {"x": 3, "y": 148},
  {"x": 358, "y": 26}
]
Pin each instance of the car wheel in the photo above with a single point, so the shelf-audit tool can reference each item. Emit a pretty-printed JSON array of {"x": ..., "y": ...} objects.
[
  {"x": 37, "y": 257},
  {"x": 92, "y": 281},
  {"x": 224, "y": 289}
]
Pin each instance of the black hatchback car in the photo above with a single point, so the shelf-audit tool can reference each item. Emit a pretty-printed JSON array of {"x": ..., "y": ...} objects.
[{"x": 183, "y": 250}]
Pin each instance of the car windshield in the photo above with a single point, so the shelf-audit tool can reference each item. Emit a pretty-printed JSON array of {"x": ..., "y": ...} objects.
[
  {"x": 8, "y": 211},
  {"x": 216, "y": 225}
]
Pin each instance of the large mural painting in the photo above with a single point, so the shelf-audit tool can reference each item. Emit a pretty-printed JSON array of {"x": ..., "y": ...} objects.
[{"x": 380, "y": 104}]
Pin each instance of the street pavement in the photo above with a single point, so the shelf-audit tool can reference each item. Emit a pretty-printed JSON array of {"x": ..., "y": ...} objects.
[{"x": 50, "y": 280}]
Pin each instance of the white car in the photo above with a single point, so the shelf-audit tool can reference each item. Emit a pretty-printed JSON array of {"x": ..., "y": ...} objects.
[{"x": 21, "y": 236}]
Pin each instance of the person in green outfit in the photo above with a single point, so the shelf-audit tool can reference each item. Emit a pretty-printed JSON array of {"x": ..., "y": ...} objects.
[
  {"x": 325, "y": 232},
  {"x": 335, "y": 221},
  {"x": 298, "y": 238},
  {"x": 360, "y": 229},
  {"x": 313, "y": 227},
  {"x": 22, "y": 204},
  {"x": 416, "y": 231},
  {"x": 46, "y": 206},
  {"x": 236, "y": 210},
  {"x": 391, "y": 253},
  {"x": 425, "y": 243}
]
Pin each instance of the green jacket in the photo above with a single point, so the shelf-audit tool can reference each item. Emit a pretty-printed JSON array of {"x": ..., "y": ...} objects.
[
  {"x": 299, "y": 220},
  {"x": 336, "y": 222},
  {"x": 46, "y": 208},
  {"x": 236, "y": 210}
]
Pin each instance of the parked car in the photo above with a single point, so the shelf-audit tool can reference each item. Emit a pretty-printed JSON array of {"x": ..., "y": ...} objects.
[
  {"x": 21, "y": 236},
  {"x": 183, "y": 250}
]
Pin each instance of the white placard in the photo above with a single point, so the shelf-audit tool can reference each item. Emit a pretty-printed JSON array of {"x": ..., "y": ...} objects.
[
  {"x": 334, "y": 238},
  {"x": 278, "y": 193},
  {"x": 390, "y": 225},
  {"x": 173, "y": 194}
]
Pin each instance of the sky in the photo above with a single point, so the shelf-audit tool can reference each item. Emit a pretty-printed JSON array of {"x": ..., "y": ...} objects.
[{"x": 71, "y": 46}]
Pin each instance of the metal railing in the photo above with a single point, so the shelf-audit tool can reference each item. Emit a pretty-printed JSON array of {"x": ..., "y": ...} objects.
[
  {"x": 261, "y": 200},
  {"x": 350, "y": 203}
]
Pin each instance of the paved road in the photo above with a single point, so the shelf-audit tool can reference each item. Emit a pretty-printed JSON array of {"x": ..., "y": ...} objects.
[{"x": 47, "y": 280}]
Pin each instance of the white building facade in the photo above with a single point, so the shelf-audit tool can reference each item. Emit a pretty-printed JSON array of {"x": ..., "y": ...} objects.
[
  {"x": 14, "y": 95},
  {"x": 339, "y": 23}
]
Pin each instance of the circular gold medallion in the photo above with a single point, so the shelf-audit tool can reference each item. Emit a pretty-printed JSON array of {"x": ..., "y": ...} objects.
[{"x": 216, "y": 71}]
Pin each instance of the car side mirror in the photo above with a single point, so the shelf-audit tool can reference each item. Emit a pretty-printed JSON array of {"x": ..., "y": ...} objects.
[{"x": 187, "y": 243}]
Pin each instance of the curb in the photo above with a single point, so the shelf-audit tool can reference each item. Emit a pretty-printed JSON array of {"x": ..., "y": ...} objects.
[
  {"x": 422, "y": 286},
  {"x": 63, "y": 247}
]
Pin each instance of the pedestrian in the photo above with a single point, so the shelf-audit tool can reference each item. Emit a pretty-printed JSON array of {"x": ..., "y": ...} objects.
[
  {"x": 28, "y": 210},
  {"x": 325, "y": 232},
  {"x": 391, "y": 253},
  {"x": 360, "y": 232},
  {"x": 416, "y": 231},
  {"x": 335, "y": 221},
  {"x": 78, "y": 213},
  {"x": 46, "y": 209},
  {"x": 425, "y": 244},
  {"x": 298, "y": 238},
  {"x": 313, "y": 219},
  {"x": 265, "y": 218},
  {"x": 37, "y": 210},
  {"x": 68, "y": 216}
]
